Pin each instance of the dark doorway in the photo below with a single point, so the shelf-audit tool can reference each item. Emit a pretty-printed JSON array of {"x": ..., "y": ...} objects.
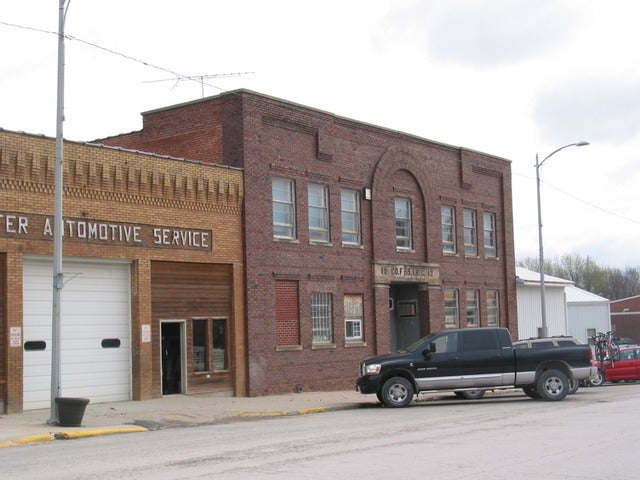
[
  {"x": 405, "y": 317},
  {"x": 171, "y": 357}
]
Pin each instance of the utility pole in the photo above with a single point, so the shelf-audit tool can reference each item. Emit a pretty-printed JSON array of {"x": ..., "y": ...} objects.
[{"x": 58, "y": 280}]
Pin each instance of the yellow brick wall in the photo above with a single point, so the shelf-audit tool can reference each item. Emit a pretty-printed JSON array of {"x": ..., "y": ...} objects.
[{"x": 113, "y": 185}]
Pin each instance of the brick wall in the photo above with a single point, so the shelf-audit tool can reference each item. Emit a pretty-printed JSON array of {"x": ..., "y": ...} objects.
[{"x": 272, "y": 138}]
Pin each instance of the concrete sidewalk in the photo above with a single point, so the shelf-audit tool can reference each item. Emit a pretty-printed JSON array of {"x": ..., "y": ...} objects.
[{"x": 172, "y": 411}]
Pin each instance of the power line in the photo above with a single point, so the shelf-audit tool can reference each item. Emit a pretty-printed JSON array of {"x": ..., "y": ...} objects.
[
  {"x": 592, "y": 205},
  {"x": 177, "y": 76}
]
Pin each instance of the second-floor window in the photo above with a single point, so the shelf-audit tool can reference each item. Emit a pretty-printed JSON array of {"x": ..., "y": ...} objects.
[
  {"x": 489, "y": 228},
  {"x": 350, "y": 206},
  {"x": 448, "y": 216},
  {"x": 318, "y": 212},
  {"x": 284, "y": 208},
  {"x": 470, "y": 233},
  {"x": 403, "y": 223}
]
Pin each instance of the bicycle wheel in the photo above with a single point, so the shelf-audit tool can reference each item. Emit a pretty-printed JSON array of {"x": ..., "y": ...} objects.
[{"x": 614, "y": 352}]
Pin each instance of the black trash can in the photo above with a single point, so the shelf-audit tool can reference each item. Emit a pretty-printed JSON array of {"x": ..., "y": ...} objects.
[{"x": 71, "y": 411}]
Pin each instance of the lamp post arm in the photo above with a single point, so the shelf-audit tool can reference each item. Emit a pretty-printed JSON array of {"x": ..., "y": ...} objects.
[{"x": 576, "y": 144}]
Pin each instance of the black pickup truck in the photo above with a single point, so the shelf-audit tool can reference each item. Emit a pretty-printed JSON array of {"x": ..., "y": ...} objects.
[{"x": 469, "y": 362}]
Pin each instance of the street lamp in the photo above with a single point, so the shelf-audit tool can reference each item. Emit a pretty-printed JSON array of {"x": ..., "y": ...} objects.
[{"x": 545, "y": 332}]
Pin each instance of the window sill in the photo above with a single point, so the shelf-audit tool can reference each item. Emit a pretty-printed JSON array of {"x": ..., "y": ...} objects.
[
  {"x": 491, "y": 258},
  {"x": 320, "y": 243},
  {"x": 405, "y": 250},
  {"x": 353, "y": 245},
  {"x": 288, "y": 348},
  {"x": 322, "y": 346},
  {"x": 477, "y": 257},
  {"x": 450, "y": 254},
  {"x": 286, "y": 240},
  {"x": 355, "y": 344}
]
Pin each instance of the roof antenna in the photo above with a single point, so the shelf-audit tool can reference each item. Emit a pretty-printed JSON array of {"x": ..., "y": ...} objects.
[{"x": 199, "y": 78}]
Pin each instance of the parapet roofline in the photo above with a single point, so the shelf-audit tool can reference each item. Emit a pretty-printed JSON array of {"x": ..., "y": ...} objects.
[
  {"x": 95, "y": 144},
  {"x": 243, "y": 91}
]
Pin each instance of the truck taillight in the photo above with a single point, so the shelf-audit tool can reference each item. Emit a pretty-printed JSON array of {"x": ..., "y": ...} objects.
[{"x": 591, "y": 356}]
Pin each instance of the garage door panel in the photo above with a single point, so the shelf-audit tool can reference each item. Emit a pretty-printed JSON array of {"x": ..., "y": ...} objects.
[{"x": 94, "y": 306}]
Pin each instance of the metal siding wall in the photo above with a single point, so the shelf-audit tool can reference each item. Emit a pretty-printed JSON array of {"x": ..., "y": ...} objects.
[
  {"x": 529, "y": 308},
  {"x": 585, "y": 316},
  {"x": 528, "y": 311}
]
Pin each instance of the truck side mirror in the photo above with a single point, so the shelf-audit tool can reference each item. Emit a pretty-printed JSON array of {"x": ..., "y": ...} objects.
[{"x": 426, "y": 353}]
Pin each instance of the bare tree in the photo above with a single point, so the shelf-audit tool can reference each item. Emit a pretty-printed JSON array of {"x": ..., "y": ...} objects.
[{"x": 608, "y": 282}]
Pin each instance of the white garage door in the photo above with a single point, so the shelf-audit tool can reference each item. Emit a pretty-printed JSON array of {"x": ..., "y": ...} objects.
[{"x": 94, "y": 331}]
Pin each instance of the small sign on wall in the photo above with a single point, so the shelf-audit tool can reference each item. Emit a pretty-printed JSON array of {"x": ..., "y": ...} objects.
[
  {"x": 15, "y": 336},
  {"x": 146, "y": 333}
]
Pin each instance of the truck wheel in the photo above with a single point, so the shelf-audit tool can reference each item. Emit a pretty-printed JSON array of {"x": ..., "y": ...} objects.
[
  {"x": 552, "y": 385},
  {"x": 573, "y": 386},
  {"x": 531, "y": 393},
  {"x": 598, "y": 380},
  {"x": 470, "y": 394},
  {"x": 397, "y": 392}
]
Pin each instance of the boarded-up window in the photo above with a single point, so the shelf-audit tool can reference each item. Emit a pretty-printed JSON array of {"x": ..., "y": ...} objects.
[
  {"x": 287, "y": 313},
  {"x": 353, "y": 317}
]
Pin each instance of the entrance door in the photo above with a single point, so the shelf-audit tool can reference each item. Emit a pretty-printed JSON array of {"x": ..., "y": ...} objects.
[
  {"x": 405, "y": 317},
  {"x": 172, "y": 334}
]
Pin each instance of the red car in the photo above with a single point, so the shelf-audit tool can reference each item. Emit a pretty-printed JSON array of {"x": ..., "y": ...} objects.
[{"x": 626, "y": 368}]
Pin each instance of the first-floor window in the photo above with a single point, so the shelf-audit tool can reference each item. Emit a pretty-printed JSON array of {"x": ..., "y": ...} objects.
[
  {"x": 200, "y": 358},
  {"x": 493, "y": 316},
  {"x": 287, "y": 313},
  {"x": 473, "y": 310},
  {"x": 321, "y": 322},
  {"x": 210, "y": 344},
  {"x": 220, "y": 345},
  {"x": 353, "y": 317},
  {"x": 451, "y": 307}
]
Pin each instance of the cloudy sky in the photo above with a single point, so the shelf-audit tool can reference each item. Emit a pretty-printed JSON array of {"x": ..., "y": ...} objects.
[{"x": 513, "y": 78}]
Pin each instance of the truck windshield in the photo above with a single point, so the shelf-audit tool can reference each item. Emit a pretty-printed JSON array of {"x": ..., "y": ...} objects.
[{"x": 416, "y": 345}]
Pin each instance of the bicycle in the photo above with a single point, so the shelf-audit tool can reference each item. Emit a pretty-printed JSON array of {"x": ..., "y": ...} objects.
[{"x": 606, "y": 348}]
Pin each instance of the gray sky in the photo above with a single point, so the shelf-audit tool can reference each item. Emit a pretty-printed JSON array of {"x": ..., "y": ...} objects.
[{"x": 510, "y": 78}]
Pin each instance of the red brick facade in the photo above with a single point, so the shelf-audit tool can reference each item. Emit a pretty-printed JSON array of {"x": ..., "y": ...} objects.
[
  {"x": 625, "y": 318},
  {"x": 402, "y": 289}
]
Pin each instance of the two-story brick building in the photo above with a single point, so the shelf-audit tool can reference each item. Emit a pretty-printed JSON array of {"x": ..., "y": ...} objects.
[
  {"x": 358, "y": 239},
  {"x": 153, "y": 299}
]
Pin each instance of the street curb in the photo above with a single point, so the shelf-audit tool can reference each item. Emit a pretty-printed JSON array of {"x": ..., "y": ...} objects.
[
  {"x": 97, "y": 432},
  {"x": 304, "y": 411},
  {"x": 48, "y": 437}
]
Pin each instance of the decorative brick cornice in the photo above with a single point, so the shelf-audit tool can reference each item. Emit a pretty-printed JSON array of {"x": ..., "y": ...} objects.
[{"x": 112, "y": 175}]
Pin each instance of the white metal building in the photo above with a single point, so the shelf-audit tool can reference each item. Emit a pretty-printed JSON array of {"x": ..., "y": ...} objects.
[
  {"x": 587, "y": 312},
  {"x": 529, "y": 308}
]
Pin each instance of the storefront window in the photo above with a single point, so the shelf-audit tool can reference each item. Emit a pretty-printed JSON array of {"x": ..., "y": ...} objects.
[
  {"x": 200, "y": 361},
  {"x": 220, "y": 348}
]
